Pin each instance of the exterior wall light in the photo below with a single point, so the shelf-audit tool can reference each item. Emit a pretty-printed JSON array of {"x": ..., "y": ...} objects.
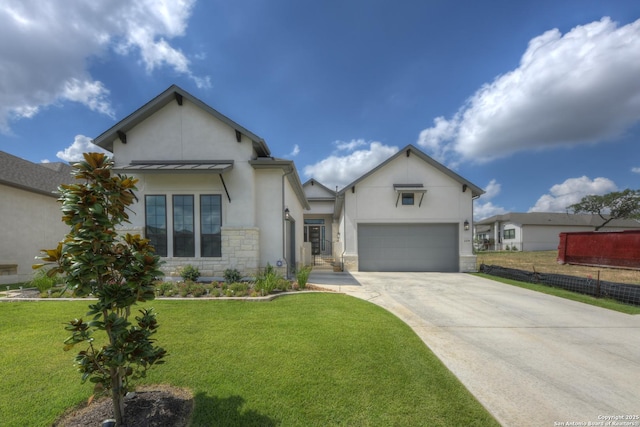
[
  {"x": 466, "y": 225},
  {"x": 287, "y": 217}
]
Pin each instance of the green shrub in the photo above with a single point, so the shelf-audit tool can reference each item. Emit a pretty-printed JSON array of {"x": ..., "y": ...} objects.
[
  {"x": 232, "y": 275},
  {"x": 302, "y": 276},
  {"x": 197, "y": 289},
  {"x": 165, "y": 289},
  {"x": 239, "y": 289},
  {"x": 43, "y": 282},
  {"x": 184, "y": 288},
  {"x": 189, "y": 272},
  {"x": 268, "y": 280}
]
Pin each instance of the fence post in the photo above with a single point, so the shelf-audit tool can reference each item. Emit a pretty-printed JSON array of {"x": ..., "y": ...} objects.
[{"x": 598, "y": 285}]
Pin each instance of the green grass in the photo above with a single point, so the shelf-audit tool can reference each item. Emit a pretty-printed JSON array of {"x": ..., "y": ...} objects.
[
  {"x": 302, "y": 360},
  {"x": 607, "y": 303}
]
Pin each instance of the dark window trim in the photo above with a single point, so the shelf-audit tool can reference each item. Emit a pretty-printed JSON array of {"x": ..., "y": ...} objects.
[
  {"x": 161, "y": 249},
  {"x": 217, "y": 236},
  {"x": 192, "y": 249},
  {"x": 408, "y": 199}
]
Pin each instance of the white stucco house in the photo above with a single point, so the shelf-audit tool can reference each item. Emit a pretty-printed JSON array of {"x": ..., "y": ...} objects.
[
  {"x": 30, "y": 217},
  {"x": 537, "y": 231},
  {"x": 209, "y": 193},
  {"x": 410, "y": 213}
]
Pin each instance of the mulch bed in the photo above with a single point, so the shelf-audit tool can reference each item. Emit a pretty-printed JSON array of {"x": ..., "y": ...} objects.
[{"x": 152, "y": 406}]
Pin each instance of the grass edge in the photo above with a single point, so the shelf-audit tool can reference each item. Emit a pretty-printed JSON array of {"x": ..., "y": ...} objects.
[{"x": 605, "y": 303}]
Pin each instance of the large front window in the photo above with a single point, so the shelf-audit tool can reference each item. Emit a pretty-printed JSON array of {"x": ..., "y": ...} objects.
[
  {"x": 210, "y": 223},
  {"x": 183, "y": 227},
  {"x": 156, "y": 223},
  {"x": 187, "y": 225}
]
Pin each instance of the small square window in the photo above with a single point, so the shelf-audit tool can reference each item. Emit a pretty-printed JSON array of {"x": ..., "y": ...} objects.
[{"x": 407, "y": 198}]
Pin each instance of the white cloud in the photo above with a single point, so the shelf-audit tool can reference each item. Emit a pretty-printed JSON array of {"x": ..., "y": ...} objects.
[
  {"x": 45, "y": 46},
  {"x": 295, "y": 151},
  {"x": 486, "y": 210},
  {"x": 572, "y": 191},
  {"x": 339, "y": 171},
  {"x": 431, "y": 138},
  {"x": 81, "y": 144},
  {"x": 92, "y": 94},
  {"x": 580, "y": 87},
  {"x": 350, "y": 145},
  {"x": 491, "y": 190},
  {"x": 483, "y": 207},
  {"x": 635, "y": 170}
]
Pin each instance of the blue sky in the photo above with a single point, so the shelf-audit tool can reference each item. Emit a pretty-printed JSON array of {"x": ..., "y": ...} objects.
[{"x": 537, "y": 102}]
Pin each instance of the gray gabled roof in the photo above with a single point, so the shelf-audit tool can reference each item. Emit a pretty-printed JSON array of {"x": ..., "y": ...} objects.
[
  {"x": 41, "y": 178},
  {"x": 411, "y": 149},
  {"x": 173, "y": 94},
  {"x": 557, "y": 218}
]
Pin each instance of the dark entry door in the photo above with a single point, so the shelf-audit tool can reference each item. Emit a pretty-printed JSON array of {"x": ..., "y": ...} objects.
[{"x": 314, "y": 238}]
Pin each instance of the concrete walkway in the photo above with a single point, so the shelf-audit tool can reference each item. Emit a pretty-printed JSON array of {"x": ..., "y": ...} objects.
[{"x": 531, "y": 359}]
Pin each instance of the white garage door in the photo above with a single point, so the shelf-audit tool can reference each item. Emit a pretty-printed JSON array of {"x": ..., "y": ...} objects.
[{"x": 408, "y": 247}]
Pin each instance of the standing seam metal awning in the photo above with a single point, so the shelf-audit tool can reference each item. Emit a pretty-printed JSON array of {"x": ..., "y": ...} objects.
[
  {"x": 217, "y": 167},
  {"x": 409, "y": 188}
]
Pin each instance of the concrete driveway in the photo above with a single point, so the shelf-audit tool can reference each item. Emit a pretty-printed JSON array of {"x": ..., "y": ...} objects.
[{"x": 531, "y": 359}]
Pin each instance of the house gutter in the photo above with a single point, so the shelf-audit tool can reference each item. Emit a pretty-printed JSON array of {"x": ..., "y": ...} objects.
[
  {"x": 344, "y": 230},
  {"x": 284, "y": 220}
]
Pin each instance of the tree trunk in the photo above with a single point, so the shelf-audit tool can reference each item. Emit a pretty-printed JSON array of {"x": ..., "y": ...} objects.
[{"x": 116, "y": 396}]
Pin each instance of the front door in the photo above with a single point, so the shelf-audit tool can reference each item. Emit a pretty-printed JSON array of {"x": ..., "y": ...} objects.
[{"x": 314, "y": 238}]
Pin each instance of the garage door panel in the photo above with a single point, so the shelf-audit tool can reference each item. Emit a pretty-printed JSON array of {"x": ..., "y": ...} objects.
[{"x": 408, "y": 247}]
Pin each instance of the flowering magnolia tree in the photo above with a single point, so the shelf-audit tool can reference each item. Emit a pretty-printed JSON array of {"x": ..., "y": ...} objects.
[{"x": 118, "y": 271}]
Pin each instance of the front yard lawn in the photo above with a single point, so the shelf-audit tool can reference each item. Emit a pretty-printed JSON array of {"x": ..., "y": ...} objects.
[{"x": 301, "y": 360}]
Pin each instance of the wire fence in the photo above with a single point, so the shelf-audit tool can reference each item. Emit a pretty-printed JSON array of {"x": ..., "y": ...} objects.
[{"x": 621, "y": 292}]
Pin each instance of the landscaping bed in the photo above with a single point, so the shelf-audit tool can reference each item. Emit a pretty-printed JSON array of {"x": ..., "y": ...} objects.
[{"x": 267, "y": 283}]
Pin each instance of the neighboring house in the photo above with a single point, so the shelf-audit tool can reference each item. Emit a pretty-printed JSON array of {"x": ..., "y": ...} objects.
[
  {"x": 537, "y": 231},
  {"x": 410, "y": 213},
  {"x": 30, "y": 216},
  {"x": 209, "y": 192}
]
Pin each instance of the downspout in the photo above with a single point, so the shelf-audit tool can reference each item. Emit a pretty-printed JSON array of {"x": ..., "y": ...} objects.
[
  {"x": 473, "y": 230},
  {"x": 284, "y": 220},
  {"x": 344, "y": 230}
]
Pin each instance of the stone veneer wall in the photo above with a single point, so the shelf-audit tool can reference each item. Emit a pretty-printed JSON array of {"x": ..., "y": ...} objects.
[
  {"x": 240, "y": 250},
  {"x": 468, "y": 264}
]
